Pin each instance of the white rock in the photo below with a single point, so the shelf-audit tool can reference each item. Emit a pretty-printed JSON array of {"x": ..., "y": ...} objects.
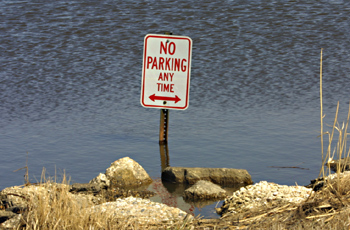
[
  {"x": 262, "y": 193},
  {"x": 127, "y": 172},
  {"x": 142, "y": 211}
]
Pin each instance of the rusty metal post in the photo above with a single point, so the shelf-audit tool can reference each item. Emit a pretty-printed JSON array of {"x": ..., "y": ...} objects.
[{"x": 163, "y": 126}]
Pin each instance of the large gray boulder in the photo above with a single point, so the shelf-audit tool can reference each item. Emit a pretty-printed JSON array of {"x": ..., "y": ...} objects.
[
  {"x": 126, "y": 172},
  {"x": 221, "y": 176},
  {"x": 204, "y": 190}
]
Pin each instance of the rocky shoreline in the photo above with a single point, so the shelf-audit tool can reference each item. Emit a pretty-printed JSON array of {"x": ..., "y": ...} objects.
[{"x": 107, "y": 193}]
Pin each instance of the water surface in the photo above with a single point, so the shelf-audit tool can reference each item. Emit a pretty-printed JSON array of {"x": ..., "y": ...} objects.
[{"x": 70, "y": 76}]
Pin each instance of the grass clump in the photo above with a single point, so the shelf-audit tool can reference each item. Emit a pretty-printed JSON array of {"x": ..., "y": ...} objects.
[{"x": 55, "y": 207}]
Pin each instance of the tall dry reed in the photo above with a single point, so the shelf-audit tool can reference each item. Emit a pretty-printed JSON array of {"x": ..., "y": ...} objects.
[{"x": 340, "y": 147}]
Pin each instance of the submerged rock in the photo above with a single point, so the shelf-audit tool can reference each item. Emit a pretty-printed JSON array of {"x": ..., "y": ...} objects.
[
  {"x": 204, "y": 190},
  {"x": 221, "y": 176}
]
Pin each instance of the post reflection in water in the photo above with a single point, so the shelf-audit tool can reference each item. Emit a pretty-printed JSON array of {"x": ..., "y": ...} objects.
[
  {"x": 164, "y": 156},
  {"x": 172, "y": 194},
  {"x": 167, "y": 193}
]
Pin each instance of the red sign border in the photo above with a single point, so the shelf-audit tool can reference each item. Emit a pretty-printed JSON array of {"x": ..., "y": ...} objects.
[{"x": 144, "y": 70}]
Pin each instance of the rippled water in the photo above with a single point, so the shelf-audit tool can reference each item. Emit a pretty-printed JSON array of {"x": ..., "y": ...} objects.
[{"x": 70, "y": 76}]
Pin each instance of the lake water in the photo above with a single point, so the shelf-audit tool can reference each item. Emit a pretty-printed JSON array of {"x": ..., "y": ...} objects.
[{"x": 70, "y": 82}]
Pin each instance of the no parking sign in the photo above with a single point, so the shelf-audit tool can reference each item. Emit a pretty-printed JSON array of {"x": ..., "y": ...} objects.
[{"x": 166, "y": 71}]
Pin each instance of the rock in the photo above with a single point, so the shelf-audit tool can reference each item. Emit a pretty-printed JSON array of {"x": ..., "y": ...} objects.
[
  {"x": 221, "y": 176},
  {"x": 344, "y": 164},
  {"x": 15, "y": 222},
  {"x": 6, "y": 215},
  {"x": 321, "y": 182},
  {"x": 127, "y": 173},
  {"x": 174, "y": 175},
  {"x": 20, "y": 196},
  {"x": 4, "y": 202},
  {"x": 115, "y": 193},
  {"x": 101, "y": 180},
  {"x": 85, "y": 188},
  {"x": 262, "y": 195},
  {"x": 83, "y": 200},
  {"x": 204, "y": 190},
  {"x": 141, "y": 211},
  {"x": 17, "y": 209}
]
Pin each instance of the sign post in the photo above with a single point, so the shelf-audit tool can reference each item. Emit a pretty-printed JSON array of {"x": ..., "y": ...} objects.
[
  {"x": 163, "y": 126},
  {"x": 166, "y": 75}
]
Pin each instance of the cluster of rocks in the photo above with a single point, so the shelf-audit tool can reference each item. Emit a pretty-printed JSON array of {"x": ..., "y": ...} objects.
[
  {"x": 122, "y": 182},
  {"x": 206, "y": 181},
  {"x": 122, "y": 191},
  {"x": 262, "y": 195}
]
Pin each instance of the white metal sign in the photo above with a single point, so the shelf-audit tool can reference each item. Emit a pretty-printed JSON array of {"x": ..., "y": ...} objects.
[{"x": 166, "y": 71}]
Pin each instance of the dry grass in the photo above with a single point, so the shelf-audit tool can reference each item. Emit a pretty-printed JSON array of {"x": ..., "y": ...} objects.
[
  {"x": 53, "y": 206},
  {"x": 59, "y": 209}
]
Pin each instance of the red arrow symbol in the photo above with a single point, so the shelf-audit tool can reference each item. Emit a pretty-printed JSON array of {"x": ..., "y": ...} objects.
[{"x": 153, "y": 97}]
